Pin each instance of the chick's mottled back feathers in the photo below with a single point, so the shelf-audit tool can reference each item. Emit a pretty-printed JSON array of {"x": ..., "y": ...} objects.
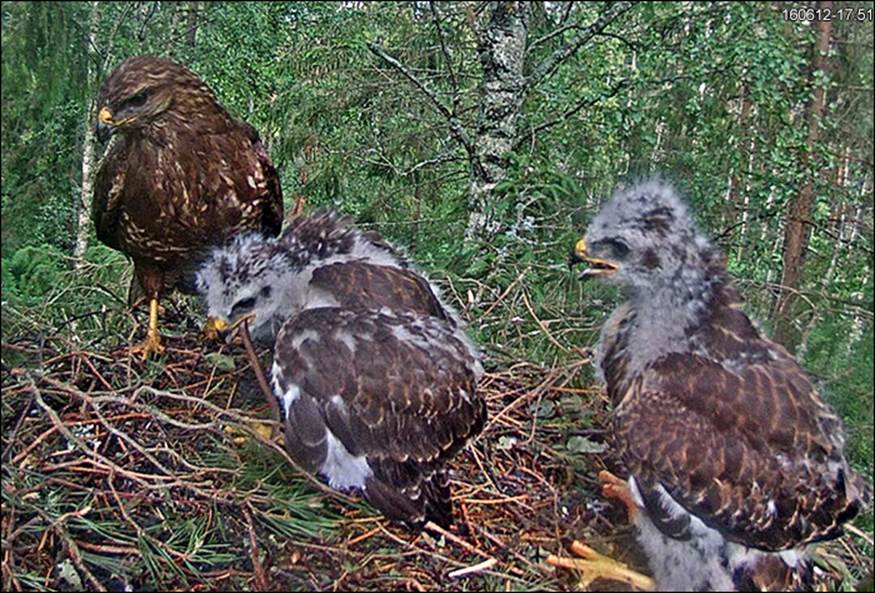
[
  {"x": 754, "y": 452},
  {"x": 402, "y": 395}
]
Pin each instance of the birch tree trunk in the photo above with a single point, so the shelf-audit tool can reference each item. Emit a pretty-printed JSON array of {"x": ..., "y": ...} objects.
[
  {"x": 797, "y": 226},
  {"x": 501, "y": 46},
  {"x": 502, "y": 43},
  {"x": 88, "y": 160}
]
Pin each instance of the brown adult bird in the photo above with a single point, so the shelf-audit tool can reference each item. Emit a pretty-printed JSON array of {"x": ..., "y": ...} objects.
[{"x": 180, "y": 176}]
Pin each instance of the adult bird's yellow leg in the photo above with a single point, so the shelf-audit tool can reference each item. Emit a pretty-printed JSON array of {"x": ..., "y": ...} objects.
[
  {"x": 152, "y": 343},
  {"x": 593, "y": 565}
]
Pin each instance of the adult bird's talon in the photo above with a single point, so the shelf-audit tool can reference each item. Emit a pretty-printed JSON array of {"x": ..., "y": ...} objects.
[{"x": 150, "y": 346}]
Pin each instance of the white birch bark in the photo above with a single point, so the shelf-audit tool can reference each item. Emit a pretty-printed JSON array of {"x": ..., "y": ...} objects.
[
  {"x": 502, "y": 48},
  {"x": 88, "y": 164}
]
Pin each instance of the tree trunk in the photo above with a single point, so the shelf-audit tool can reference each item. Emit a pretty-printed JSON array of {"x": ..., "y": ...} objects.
[
  {"x": 502, "y": 48},
  {"x": 84, "y": 219},
  {"x": 733, "y": 205},
  {"x": 191, "y": 32},
  {"x": 796, "y": 229}
]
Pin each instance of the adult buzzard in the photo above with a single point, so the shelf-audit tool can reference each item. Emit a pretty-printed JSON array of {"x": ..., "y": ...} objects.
[
  {"x": 374, "y": 374},
  {"x": 735, "y": 463},
  {"x": 181, "y": 176}
]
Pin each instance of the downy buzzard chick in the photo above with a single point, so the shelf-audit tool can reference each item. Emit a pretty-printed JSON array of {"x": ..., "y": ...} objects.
[
  {"x": 375, "y": 376},
  {"x": 735, "y": 463}
]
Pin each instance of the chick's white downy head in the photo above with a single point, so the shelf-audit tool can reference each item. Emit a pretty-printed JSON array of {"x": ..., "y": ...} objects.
[
  {"x": 245, "y": 279},
  {"x": 643, "y": 237}
]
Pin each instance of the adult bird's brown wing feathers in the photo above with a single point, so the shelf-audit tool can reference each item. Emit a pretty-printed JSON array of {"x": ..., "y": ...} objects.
[
  {"x": 105, "y": 210},
  {"x": 272, "y": 208},
  {"x": 388, "y": 391}
]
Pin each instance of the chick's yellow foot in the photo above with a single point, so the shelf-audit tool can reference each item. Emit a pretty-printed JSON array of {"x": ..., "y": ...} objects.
[
  {"x": 614, "y": 487},
  {"x": 593, "y": 565},
  {"x": 265, "y": 430}
]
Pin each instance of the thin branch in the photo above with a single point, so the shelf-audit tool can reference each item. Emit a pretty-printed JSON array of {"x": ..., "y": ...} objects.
[
  {"x": 441, "y": 158},
  {"x": 456, "y": 127},
  {"x": 551, "y": 63},
  {"x": 551, "y": 35},
  {"x": 567, "y": 13},
  {"x": 446, "y": 53},
  {"x": 577, "y": 26},
  {"x": 259, "y": 375},
  {"x": 621, "y": 39},
  {"x": 862, "y": 308},
  {"x": 442, "y": 109},
  {"x": 584, "y": 103}
]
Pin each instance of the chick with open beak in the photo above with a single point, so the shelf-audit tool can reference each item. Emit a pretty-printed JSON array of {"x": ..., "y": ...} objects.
[{"x": 603, "y": 261}]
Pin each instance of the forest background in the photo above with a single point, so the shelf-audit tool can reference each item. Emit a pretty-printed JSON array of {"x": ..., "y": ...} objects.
[{"x": 481, "y": 137}]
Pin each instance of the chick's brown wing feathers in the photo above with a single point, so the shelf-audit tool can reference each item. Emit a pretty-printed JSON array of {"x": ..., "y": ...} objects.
[
  {"x": 748, "y": 452},
  {"x": 397, "y": 389}
]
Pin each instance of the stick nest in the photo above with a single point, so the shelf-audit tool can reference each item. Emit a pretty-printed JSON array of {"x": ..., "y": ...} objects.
[{"x": 119, "y": 474}]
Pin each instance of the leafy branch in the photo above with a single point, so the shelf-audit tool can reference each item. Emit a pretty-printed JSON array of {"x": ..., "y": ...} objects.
[{"x": 550, "y": 64}]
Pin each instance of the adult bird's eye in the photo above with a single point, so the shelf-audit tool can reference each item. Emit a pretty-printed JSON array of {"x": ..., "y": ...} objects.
[
  {"x": 242, "y": 306},
  {"x": 139, "y": 99}
]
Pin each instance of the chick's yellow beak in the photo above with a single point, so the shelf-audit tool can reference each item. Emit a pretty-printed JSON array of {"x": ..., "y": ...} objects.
[
  {"x": 216, "y": 324},
  {"x": 213, "y": 328},
  {"x": 217, "y": 327},
  {"x": 578, "y": 254},
  {"x": 105, "y": 116},
  {"x": 597, "y": 266},
  {"x": 580, "y": 250}
]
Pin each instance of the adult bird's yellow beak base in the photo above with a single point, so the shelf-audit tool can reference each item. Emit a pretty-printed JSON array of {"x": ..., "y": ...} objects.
[
  {"x": 597, "y": 266},
  {"x": 105, "y": 126}
]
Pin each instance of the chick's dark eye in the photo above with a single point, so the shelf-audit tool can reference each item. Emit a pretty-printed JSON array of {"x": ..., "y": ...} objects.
[
  {"x": 265, "y": 292},
  {"x": 618, "y": 248},
  {"x": 242, "y": 306}
]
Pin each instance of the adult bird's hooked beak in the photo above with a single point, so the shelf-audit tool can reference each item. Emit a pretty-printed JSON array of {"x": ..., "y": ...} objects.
[
  {"x": 105, "y": 126},
  {"x": 597, "y": 266}
]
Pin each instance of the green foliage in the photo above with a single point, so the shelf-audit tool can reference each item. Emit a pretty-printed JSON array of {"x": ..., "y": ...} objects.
[
  {"x": 31, "y": 273},
  {"x": 713, "y": 95},
  {"x": 43, "y": 110}
]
